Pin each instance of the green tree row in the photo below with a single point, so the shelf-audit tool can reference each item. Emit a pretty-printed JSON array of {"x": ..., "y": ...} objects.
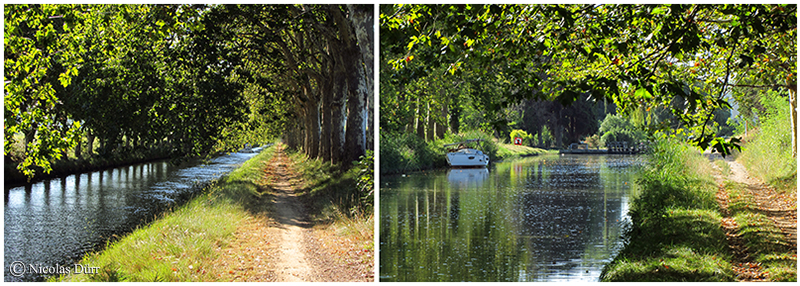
[
  {"x": 684, "y": 59},
  {"x": 198, "y": 79}
]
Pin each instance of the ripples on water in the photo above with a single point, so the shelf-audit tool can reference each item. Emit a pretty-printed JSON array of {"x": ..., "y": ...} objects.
[
  {"x": 57, "y": 221},
  {"x": 552, "y": 218}
]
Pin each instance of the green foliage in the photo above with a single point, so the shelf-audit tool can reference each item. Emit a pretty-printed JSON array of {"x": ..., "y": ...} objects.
[
  {"x": 616, "y": 128},
  {"x": 366, "y": 178},
  {"x": 769, "y": 156},
  {"x": 526, "y": 138},
  {"x": 407, "y": 152},
  {"x": 682, "y": 57},
  {"x": 200, "y": 79},
  {"x": 546, "y": 137}
]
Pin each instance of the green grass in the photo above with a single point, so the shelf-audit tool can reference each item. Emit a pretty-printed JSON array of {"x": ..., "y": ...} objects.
[
  {"x": 182, "y": 244},
  {"x": 767, "y": 152},
  {"x": 331, "y": 194},
  {"x": 675, "y": 233},
  {"x": 509, "y": 151}
]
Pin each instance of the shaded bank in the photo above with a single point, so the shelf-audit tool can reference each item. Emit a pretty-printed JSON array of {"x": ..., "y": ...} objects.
[{"x": 402, "y": 153}]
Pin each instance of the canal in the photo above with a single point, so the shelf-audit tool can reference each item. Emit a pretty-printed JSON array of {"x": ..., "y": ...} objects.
[
  {"x": 55, "y": 222},
  {"x": 549, "y": 218}
]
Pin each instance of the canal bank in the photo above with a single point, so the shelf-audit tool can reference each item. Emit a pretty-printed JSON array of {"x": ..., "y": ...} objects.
[
  {"x": 69, "y": 166},
  {"x": 235, "y": 231},
  {"x": 409, "y": 153},
  {"x": 57, "y": 221},
  {"x": 695, "y": 221}
]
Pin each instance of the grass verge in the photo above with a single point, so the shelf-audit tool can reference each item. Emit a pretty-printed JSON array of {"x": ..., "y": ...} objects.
[
  {"x": 675, "y": 232},
  {"x": 180, "y": 245},
  {"x": 509, "y": 151}
]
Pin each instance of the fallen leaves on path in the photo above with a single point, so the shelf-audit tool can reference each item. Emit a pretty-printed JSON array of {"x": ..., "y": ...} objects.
[{"x": 779, "y": 208}]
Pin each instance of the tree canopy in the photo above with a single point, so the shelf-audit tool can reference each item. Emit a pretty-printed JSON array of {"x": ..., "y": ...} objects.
[
  {"x": 198, "y": 78},
  {"x": 687, "y": 56}
]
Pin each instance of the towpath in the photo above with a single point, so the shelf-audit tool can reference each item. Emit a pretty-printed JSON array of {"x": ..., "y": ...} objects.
[
  {"x": 780, "y": 208},
  {"x": 284, "y": 244}
]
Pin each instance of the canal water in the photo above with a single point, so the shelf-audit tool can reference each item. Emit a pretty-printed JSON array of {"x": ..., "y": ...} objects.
[
  {"x": 549, "y": 218},
  {"x": 53, "y": 223}
]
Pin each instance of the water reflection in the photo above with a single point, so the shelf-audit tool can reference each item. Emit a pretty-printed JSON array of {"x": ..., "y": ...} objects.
[
  {"x": 467, "y": 178},
  {"x": 57, "y": 221},
  {"x": 551, "y": 218}
]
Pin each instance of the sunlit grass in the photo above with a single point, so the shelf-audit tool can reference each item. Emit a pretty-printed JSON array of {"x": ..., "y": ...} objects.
[
  {"x": 675, "y": 233},
  {"x": 181, "y": 245},
  {"x": 725, "y": 169},
  {"x": 508, "y": 151},
  {"x": 330, "y": 192},
  {"x": 767, "y": 153}
]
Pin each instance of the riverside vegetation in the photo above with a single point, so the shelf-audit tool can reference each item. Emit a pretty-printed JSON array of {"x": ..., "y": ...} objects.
[
  {"x": 687, "y": 226},
  {"x": 405, "y": 152},
  {"x": 187, "y": 243}
]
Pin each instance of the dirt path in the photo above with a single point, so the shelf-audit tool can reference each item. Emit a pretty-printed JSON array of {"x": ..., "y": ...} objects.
[
  {"x": 780, "y": 208},
  {"x": 285, "y": 245}
]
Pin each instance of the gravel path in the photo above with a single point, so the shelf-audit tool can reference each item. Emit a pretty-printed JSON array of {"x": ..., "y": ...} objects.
[{"x": 286, "y": 246}]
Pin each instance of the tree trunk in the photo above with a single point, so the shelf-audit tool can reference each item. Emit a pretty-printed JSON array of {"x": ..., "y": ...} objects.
[
  {"x": 419, "y": 127},
  {"x": 78, "y": 148},
  {"x": 326, "y": 93},
  {"x": 793, "y": 116},
  {"x": 429, "y": 123},
  {"x": 356, "y": 96},
  {"x": 362, "y": 18},
  {"x": 90, "y": 144},
  {"x": 454, "y": 114},
  {"x": 311, "y": 106},
  {"x": 337, "y": 119}
]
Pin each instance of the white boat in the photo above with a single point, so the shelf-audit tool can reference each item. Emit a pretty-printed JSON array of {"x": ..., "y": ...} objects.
[{"x": 463, "y": 155}]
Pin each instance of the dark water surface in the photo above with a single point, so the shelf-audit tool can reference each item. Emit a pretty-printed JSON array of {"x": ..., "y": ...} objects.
[
  {"x": 53, "y": 223},
  {"x": 549, "y": 218}
]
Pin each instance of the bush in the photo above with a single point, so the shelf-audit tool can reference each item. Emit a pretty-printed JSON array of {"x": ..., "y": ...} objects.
[
  {"x": 617, "y": 128},
  {"x": 526, "y": 138},
  {"x": 406, "y": 152}
]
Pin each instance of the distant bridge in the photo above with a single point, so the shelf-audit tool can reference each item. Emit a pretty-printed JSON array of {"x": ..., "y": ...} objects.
[{"x": 616, "y": 147}]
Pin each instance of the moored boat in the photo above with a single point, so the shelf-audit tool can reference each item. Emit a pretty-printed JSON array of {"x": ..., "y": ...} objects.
[{"x": 465, "y": 154}]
